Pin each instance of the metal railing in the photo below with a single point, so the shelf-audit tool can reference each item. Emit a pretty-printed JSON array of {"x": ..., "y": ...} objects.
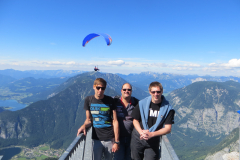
[
  {"x": 81, "y": 148},
  {"x": 167, "y": 151}
]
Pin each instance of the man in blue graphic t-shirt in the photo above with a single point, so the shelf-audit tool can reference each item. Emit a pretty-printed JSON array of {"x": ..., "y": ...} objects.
[{"x": 101, "y": 115}]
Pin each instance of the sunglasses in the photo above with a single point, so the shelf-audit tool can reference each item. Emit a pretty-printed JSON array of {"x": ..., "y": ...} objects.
[
  {"x": 127, "y": 89},
  {"x": 153, "y": 92},
  {"x": 102, "y": 88}
]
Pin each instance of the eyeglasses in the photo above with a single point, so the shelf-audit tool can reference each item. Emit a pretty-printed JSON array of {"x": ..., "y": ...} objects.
[
  {"x": 127, "y": 89},
  {"x": 153, "y": 92},
  {"x": 102, "y": 88}
]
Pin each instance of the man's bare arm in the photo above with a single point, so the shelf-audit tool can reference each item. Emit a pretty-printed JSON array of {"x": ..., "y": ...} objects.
[
  {"x": 86, "y": 124},
  {"x": 137, "y": 126},
  {"x": 116, "y": 131},
  {"x": 167, "y": 129}
]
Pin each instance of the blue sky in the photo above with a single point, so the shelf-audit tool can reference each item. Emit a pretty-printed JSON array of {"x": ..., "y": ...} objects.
[{"x": 178, "y": 36}]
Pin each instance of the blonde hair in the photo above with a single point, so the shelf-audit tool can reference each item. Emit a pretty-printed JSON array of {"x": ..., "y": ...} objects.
[
  {"x": 100, "y": 81},
  {"x": 155, "y": 84}
]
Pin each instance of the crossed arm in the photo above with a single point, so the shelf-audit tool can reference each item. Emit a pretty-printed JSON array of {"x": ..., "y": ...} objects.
[{"x": 145, "y": 134}]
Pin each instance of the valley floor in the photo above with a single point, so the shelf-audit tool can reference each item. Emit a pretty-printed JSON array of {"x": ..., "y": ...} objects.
[{"x": 37, "y": 153}]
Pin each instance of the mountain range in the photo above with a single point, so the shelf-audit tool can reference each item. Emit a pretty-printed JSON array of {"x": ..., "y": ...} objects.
[
  {"x": 16, "y": 74},
  {"x": 229, "y": 146},
  {"x": 28, "y": 90},
  {"x": 33, "y": 85},
  {"x": 205, "y": 114},
  {"x": 140, "y": 80},
  {"x": 55, "y": 120},
  {"x": 170, "y": 81}
]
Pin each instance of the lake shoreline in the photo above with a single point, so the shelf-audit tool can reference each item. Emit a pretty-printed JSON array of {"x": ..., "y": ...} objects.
[{"x": 11, "y": 105}]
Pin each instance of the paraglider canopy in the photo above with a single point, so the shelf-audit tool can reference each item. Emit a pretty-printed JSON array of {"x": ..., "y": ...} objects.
[{"x": 89, "y": 37}]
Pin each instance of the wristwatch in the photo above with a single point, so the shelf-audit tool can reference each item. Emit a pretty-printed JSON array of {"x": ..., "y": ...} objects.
[{"x": 117, "y": 142}]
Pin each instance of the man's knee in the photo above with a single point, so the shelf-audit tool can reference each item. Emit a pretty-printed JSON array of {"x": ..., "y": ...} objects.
[{"x": 151, "y": 154}]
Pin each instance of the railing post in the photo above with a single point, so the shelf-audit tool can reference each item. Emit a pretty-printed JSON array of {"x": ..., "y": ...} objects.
[
  {"x": 77, "y": 148},
  {"x": 167, "y": 152},
  {"x": 81, "y": 148}
]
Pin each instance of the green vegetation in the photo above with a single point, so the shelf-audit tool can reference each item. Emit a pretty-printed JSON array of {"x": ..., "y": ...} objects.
[
  {"x": 44, "y": 148},
  {"x": 29, "y": 90},
  {"x": 2, "y": 109},
  {"x": 6, "y": 94},
  {"x": 231, "y": 138},
  {"x": 6, "y": 108},
  {"x": 4, "y": 79},
  {"x": 36, "y": 153},
  {"x": 199, "y": 153},
  {"x": 187, "y": 153},
  {"x": 56, "y": 120},
  {"x": 50, "y": 158},
  {"x": 195, "y": 144},
  {"x": 42, "y": 157}
]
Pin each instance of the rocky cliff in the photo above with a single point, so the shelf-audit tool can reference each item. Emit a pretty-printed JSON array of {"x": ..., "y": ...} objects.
[
  {"x": 205, "y": 115},
  {"x": 55, "y": 120},
  {"x": 228, "y": 149}
]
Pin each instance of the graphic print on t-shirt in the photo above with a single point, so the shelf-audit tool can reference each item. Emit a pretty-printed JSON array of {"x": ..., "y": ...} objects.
[
  {"x": 101, "y": 115},
  {"x": 153, "y": 113}
]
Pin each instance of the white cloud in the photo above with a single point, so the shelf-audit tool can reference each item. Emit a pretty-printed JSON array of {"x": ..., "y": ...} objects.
[
  {"x": 186, "y": 67},
  {"x": 182, "y": 68},
  {"x": 231, "y": 67},
  {"x": 54, "y": 62},
  {"x": 118, "y": 62},
  {"x": 15, "y": 63},
  {"x": 71, "y": 63},
  {"x": 159, "y": 65},
  {"x": 231, "y": 64},
  {"x": 194, "y": 65}
]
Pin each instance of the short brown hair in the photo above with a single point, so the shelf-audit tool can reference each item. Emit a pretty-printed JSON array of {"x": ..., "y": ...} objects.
[
  {"x": 100, "y": 81},
  {"x": 155, "y": 84},
  {"x": 128, "y": 84}
]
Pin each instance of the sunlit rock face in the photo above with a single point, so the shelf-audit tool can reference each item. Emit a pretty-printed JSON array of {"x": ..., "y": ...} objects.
[
  {"x": 231, "y": 156},
  {"x": 205, "y": 114},
  {"x": 14, "y": 129},
  {"x": 231, "y": 152},
  {"x": 208, "y": 107}
]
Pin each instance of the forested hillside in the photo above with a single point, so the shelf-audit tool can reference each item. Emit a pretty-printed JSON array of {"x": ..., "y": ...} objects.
[{"x": 55, "y": 120}]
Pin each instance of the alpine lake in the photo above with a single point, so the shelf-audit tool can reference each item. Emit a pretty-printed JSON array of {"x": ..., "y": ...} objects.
[{"x": 11, "y": 105}]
